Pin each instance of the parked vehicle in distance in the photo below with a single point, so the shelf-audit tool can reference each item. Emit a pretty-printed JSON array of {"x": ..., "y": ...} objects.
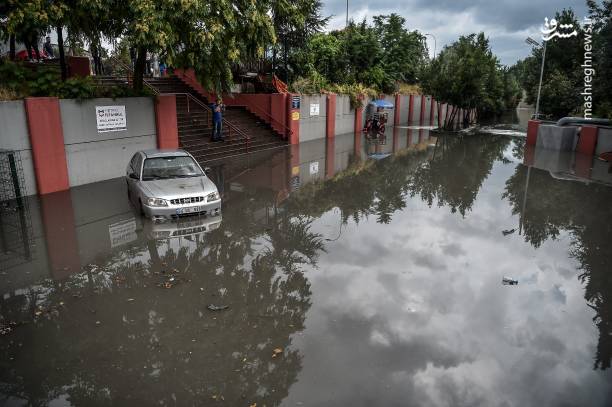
[{"x": 167, "y": 184}]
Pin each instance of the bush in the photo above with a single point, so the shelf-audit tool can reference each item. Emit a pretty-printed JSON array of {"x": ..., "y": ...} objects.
[{"x": 16, "y": 82}]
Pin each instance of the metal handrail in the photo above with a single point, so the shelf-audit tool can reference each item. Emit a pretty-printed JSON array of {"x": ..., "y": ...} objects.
[
  {"x": 130, "y": 74},
  {"x": 208, "y": 110},
  {"x": 259, "y": 111}
]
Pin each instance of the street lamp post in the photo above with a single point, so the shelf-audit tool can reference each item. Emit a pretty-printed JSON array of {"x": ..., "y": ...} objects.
[
  {"x": 435, "y": 43},
  {"x": 347, "y": 13},
  {"x": 533, "y": 42}
]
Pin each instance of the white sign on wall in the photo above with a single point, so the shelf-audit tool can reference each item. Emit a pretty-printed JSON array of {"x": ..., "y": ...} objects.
[
  {"x": 314, "y": 109},
  {"x": 110, "y": 118},
  {"x": 314, "y": 167}
]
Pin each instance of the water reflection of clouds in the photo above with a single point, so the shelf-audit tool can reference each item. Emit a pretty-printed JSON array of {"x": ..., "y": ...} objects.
[{"x": 406, "y": 317}]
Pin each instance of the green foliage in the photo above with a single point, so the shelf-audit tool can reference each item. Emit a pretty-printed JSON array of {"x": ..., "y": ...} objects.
[
  {"x": 378, "y": 56},
  {"x": 18, "y": 82},
  {"x": 468, "y": 75},
  {"x": 563, "y": 79}
]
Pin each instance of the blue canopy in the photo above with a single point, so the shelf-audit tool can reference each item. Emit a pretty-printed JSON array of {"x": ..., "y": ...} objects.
[{"x": 382, "y": 103}]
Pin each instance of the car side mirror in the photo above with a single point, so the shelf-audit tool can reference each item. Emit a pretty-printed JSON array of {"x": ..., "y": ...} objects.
[
  {"x": 133, "y": 176},
  {"x": 207, "y": 170}
]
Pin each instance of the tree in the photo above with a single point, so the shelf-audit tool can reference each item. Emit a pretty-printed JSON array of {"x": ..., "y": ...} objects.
[
  {"x": 467, "y": 75},
  {"x": 602, "y": 58},
  {"x": 404, "y": 52},
  {"x": 563, "y": 75}
]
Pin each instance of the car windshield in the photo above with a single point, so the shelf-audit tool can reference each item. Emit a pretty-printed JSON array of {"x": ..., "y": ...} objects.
[{"x": 170, "y": 167}]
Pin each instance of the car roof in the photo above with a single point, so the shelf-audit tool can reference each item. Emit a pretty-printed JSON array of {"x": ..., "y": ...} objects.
[{"x": 153, "y": 153}]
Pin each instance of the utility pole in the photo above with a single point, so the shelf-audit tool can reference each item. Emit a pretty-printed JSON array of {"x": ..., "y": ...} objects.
[
  {"x": 533, "y": 42},
  {"x": 435, "y": 43},
  {"x": 347, "y": 13}
]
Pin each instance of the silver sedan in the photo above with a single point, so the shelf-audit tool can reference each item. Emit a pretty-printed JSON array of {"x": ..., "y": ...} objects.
[{"x": 170, "y": 184}]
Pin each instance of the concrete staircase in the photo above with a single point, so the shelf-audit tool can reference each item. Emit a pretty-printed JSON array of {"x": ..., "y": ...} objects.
[{"x": 243, "y": 131}]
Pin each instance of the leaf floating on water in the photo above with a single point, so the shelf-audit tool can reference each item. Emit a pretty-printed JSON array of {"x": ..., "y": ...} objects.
[{"x": 277, "y": 352}]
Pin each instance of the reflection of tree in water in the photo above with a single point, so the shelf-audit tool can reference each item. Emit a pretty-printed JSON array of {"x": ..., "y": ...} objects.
[
  {"x": 365, "y": 188},
  {"x": 456, "y": 173},
  {"x": 162, "y": 346},
  {"x": 551, "y": 206}
]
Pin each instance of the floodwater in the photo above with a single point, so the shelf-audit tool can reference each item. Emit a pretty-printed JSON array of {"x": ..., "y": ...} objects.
[{"x": 356, "y": 272}]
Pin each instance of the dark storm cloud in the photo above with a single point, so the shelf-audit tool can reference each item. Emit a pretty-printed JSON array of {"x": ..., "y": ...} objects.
[{"x": 506, "y": 22}]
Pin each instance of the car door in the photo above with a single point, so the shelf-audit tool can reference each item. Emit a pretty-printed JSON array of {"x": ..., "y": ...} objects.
[{"x": 132, "y": 176}]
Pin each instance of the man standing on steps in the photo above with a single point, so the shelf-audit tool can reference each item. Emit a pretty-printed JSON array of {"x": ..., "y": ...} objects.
[{"x": 218, "y": 108}]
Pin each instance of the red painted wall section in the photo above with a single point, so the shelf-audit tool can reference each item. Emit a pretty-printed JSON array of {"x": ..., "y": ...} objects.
[
  {"x": 331, "y": 115},
  {"x": 293, "y": 121},
  {"x": 398, "y": 102},
  {"x": 189, "y": 77},
  {"x": 60, "y": 234},
  {"x": 358, "y": 120},
  {"x": 432, "y": 112},
  {"x": 410, "y": 108},
  {"x": 532, "y": 132},
  {"x": 78, "y": 67},
  {"x": 587, "y": 140},
  {"x": 422, "y": 116},
  {"x": 47, "y": 141},
  {"x": 165, "y": 121},
  {"x": 278, "y": 112}
]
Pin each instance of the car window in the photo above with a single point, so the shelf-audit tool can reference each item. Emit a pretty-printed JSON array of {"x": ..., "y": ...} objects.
[{"x": 170, "y": 167}]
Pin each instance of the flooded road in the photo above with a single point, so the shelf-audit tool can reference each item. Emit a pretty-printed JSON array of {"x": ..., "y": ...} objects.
[{"x": 357, "y": 272}]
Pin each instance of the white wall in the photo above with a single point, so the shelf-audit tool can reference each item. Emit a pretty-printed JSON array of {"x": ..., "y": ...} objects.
[
  {"x": 312, "y": 128},
  {"x": 93, "y": 156},
  {"x": 14, "y": 135},
  {"x": 345, "y": 116}
]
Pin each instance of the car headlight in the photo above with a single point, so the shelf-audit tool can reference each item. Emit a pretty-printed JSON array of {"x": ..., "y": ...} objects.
[
  {"x": 156, "y": 202},
  {"x": 213, "y": 196}
]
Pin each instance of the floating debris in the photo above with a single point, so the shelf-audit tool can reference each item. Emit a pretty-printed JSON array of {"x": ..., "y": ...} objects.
[
  {"x": 213, "y": 307},
  {"x": 509, "y": 281},
  {"x": 276, "y": 352}
]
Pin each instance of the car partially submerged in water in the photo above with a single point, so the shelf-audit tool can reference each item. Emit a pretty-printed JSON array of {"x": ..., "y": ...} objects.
[{"x": 166, "y": 184}]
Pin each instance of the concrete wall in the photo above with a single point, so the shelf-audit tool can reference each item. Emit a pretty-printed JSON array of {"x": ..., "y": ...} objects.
[
  {"x": 14, "y": 136},
  {"x": 403, "y": 108},
  {"x": 345, "y": 116},
  {"x": 416, "y": 109},
  {"x": 312, "y": 128},
  {"x": 93, "y": 156},
  {"x": 604, "y": 140}
]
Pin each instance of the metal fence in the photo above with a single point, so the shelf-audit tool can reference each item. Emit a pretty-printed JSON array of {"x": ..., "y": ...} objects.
[{"x": 15, "y": 222}]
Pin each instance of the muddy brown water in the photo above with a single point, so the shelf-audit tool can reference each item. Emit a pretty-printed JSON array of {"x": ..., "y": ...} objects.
[{"x": 356, "y": 273}]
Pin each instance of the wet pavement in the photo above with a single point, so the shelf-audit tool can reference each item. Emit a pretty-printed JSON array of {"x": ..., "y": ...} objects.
[{"x": 356, "y": 272}]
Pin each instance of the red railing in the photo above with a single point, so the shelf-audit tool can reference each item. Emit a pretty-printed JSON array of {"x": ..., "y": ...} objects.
[{"x": 280, "y": 86}]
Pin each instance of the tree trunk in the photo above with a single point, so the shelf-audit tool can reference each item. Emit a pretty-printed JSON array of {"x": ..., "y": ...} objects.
[
  {"x": 139, "y": 68},
  {"x": 450, "y": 123},
  {"x": 12, "y": 47},
  {"x": 62, "y": 57}
]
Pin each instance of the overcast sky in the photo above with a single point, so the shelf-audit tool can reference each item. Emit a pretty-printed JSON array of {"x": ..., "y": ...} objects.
[{"x": 506, "y": 22}]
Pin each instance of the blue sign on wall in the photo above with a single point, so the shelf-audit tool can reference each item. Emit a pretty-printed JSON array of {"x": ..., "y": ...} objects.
[{"x": 295, "y": 102}]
